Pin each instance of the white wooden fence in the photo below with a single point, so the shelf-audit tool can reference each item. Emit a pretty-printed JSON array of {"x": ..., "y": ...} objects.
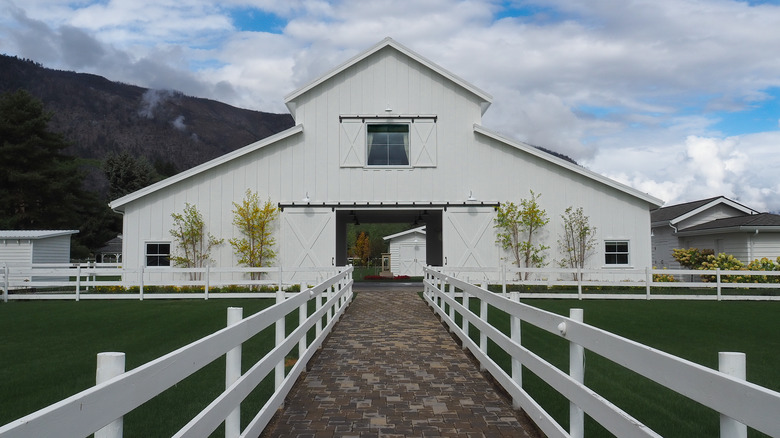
[
  {"x": 737, "y": 400},
  {"x": 74, "y": 281},
  {"x": 105, "y": 403},
  {"x": 643, "y": 281}
]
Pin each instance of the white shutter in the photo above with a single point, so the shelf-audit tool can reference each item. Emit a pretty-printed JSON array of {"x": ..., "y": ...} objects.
[
  {"x": 352, "y": 148},
  {"x": 423, "y": 144}
]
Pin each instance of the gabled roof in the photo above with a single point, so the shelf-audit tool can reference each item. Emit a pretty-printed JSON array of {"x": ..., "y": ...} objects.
[
  {"x": 679, "y": 212},
  {"x": 568, "y": 165},
  {"x": 118, "y": 203},
  {"x": 739, "y": 224},
  {"x": 34, "y": 234},
  {"x": 419, "y": 230},
  {"x": 486, "y": 98}
]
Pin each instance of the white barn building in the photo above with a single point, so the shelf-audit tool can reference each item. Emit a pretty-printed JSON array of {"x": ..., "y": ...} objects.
[{"x": 387, "y": 136}]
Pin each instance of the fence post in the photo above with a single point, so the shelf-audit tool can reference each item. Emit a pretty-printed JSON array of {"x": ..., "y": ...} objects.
[
  {"x": 6, "y": 271},
  {"x": 517, "y": 366},
  {"x": 206, "y": 282},
  {"x": 110, "y": 365},
  {"x": 734, "y": 365},
  {"x": 717, "y": 280},
  {"x": 579, "y": 283},
  {"x": 452, "y": 308},
  {"x": 577, "y": 372},
  {"x": 302, "y": 316},
  {"x": 233, "y": 373},
  {"x": 483, "y": 315},
  {"x": 503, "y": 279},
  {"x": 648, "y": 281},
  {"x": 464, "y": 317},
  {"x": 141, "y": 282},
  {"x": 78, "y": 282},
  {"x": 279, "y": 375}
]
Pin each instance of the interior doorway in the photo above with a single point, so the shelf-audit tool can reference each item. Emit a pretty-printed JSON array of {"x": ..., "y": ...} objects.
[{"x": 430, "y": 218}]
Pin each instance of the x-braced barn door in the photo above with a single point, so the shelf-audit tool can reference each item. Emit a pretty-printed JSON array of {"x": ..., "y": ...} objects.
[
  {"x": 308, "y": 238},
  {"x": 469, "y": 238}
]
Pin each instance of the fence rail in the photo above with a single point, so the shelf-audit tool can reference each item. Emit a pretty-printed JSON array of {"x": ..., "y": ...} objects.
[
  {"x": 92, "y": 409},
  {"x": 736, "y": 399},
  {"x": 552, "y": 282},
  {"x": 76, "y": 281}
]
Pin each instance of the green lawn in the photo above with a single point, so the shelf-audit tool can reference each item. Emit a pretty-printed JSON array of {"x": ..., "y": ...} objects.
[
  {"x": 693, "y": 330},
  {"x": 48, "y": 352}
]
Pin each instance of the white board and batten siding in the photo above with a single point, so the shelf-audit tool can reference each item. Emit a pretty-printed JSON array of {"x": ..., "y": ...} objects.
[{"x": 323, "y": 159}]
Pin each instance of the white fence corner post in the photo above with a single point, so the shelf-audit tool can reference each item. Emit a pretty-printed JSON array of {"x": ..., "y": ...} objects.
[
  {"x": 577, "y": 372},
  {"x": 515, "y": 333},
  {"x": 734, "y": 365},
  {"x": 233, "y": 373},
  {"x": 110, "y": 365}
]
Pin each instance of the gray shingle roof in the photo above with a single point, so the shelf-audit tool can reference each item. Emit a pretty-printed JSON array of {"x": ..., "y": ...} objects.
[{"x": 751, "y": 221}]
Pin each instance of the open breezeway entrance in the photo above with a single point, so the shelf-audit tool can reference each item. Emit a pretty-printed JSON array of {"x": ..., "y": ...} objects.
[{"x": 431, "y": 218}]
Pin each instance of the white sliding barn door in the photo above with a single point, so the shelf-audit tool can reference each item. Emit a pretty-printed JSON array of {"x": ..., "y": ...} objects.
[
  {"x": 470, "y": 239},
  {"x": 308, "y": 239}
]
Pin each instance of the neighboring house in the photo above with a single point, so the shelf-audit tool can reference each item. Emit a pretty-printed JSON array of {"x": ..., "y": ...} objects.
[
  {"x": 25, "y": 247},
  {"x": 719, "y": 224},
  {"x": 388, "y": 136},
  {"x": 407, "y": 252}
]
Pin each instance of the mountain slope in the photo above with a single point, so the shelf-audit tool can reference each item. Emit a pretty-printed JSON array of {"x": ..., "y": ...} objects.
[{"x": 98, "y": 117}]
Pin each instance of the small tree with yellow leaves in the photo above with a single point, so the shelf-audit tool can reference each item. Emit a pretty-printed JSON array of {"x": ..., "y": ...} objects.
[
  {"x": 256, "y": 223},
  {"x": 189, "y": 230}
]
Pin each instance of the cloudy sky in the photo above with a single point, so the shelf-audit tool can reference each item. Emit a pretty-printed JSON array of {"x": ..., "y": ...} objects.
[{"x": 678, "y": 98}]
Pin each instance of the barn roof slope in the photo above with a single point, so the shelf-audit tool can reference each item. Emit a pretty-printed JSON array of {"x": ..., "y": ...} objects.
[
  {"x": 117, "y": 204},
  {"x": 652, "y": 200}
]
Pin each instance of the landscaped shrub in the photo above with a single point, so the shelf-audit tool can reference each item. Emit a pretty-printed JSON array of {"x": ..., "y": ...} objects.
[
  {"x": 663, "y": 278},
  {"x": 691, "y": 258}
]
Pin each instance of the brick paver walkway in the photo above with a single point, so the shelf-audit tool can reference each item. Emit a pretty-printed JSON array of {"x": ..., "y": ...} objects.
[{"x": 391, "y": 369}]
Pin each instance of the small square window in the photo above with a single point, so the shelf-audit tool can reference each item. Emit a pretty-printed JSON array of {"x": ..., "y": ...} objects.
[
  {"x": 616, "y": 252},
  {"x": 158, "y": 254},
  {"x": 387, "y": 144}
]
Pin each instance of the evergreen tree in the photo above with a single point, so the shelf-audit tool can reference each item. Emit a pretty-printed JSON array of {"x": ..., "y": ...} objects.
[
  {"x": 126, "y": 174},
  {"x": 40, "y": 185}
]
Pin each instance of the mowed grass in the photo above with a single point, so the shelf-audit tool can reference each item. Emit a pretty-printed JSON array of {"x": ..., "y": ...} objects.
[
  {"x": 693, "y": 330},
  {"x": 48, "y": 352}
]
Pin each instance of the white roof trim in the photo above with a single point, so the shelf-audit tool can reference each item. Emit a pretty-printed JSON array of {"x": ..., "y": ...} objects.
[
  {"x": 569, "y": 166},
  {"x": 707, "y": 206},
  {"x": 34, "y": 234},
  {"x": 420, "y": 230},
  {"x": 117, "y": 203},
  {"x": 487, "y": 99}
]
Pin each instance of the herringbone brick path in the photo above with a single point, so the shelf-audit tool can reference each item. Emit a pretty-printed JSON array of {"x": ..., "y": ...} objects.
[{"x": 390, "y": 369}]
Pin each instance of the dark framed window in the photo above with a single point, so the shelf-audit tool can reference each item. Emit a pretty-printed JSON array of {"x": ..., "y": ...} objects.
[
  {"x": 387, "y": 144},
  {"x": 616, "y": 252},
  {"x": 158, "y": 254}
]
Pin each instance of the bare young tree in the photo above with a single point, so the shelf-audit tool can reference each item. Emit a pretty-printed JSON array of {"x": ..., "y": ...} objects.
[
  {"x": 189, "y": 230},
  {"x": 519, "y": 227},
  {"x": 255, "y": 222},
  {"x": 578, "y": 239}
]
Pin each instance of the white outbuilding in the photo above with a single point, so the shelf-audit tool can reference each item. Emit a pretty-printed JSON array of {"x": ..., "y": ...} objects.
[
  {"x": 388, "y": 136},
  {"x": 25, "y": 247},
  {"x": 407, "y": 252}
]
